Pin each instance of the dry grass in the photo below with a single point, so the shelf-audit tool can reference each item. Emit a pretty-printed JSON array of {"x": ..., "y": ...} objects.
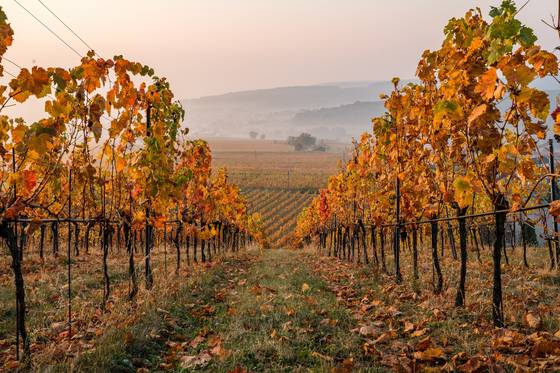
[
  {"x": 278, "y": 161},
  {"x": 284, "y": 319},
  {"x": 268, "y": 314},
  {"x": 228, "y": 145},
  {"x": 47, "y": 298},
  {"x": 225, "y": 144},
  {"x": 458, "y": 330},
  {"x": 269, "y": 164}
]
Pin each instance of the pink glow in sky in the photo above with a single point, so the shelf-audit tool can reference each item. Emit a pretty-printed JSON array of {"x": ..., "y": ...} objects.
[{"x": 215, "y": 46}]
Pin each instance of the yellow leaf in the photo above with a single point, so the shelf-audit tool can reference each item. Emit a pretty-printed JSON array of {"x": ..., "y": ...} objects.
[
  {"x": 461, "y": 184},
  {"x": 537, "y": 128},
  {"x": 419, "y": 333},
  {"x": 120, "y": 164},
  {"x": 429, "y": 354},
  {"x": 477, "y": 113},
  {"x": 487, "y": 84},
  {"x": 463, "y": 191},
  {"x": 476, "y": 43},
  {"x": 554, "y": 209},
  {"x": 18, "y": 133}
]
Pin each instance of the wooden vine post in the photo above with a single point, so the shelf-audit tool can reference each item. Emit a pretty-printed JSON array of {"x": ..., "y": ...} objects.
[
  {"x": 554, "y": 197},
  {"x": 69, "y": 254},
  {"x": 398, "y": 276},
  {"x": 148, "y": 243}
]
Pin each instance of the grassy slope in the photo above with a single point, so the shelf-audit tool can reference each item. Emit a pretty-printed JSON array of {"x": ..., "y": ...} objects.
[
  {"x": 287, "y": 320},
  {"x": 294, "y": 311},
  {"x": 259, "y": 310}
]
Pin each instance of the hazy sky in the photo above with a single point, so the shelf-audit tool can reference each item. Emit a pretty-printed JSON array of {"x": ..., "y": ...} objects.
[{"x": 215, "y": 46}]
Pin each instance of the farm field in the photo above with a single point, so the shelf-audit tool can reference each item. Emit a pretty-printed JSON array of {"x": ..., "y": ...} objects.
[
  {"x": 279, "y": 210},
  {"x": 277, "y": 181},
  {"x": 274, "y": 164}
]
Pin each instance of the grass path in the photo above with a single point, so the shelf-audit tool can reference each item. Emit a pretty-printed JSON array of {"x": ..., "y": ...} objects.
[
  {"x": 250, "y": 313},
  {"x": 295, "y": 311},
  {"x": 284, "y": 319}
]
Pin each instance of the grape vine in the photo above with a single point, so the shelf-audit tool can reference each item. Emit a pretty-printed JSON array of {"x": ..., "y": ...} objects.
[
  {"x": 110, "y": 153},
  {"x": 466, "y": 137}
]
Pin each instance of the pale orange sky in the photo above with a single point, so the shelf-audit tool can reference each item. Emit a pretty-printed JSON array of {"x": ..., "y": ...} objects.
[{"x": 215, "y": 46}]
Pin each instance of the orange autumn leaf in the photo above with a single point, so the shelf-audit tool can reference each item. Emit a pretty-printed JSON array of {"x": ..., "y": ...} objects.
[
  {"x": 554, "y": 209},
  {"x": 29, "y": 179},
  {"x": 487, "y": 84}
]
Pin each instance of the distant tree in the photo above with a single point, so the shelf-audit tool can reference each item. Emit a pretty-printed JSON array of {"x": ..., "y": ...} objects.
[
  {"x": 321, "y": 146},
  {"x": 263, "y": 136},
  {"x": 253, "y": 134},
  {"x": 303, "y": 142}
]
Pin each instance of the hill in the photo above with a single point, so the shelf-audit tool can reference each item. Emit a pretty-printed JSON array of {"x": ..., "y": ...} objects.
[
  {"x": 281, "y": 112},
  {"x": 332, "y": 111}
]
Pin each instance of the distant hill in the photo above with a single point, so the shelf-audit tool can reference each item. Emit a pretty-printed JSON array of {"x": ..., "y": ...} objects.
[
  {"x": 299, "y": 97},
  {"x": 339, "y": 122},
  {"x": 282, "y": 112},
  {"x": 331, "y": 111},
  {"x": 357, "y": 114}
]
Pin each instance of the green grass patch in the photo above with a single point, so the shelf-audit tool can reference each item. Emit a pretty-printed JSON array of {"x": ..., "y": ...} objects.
[{"x": 286, "y": 320}]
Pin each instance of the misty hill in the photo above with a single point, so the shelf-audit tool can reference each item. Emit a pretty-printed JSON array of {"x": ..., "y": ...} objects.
[
  {"x": 341, "y": 122},
  {"x": 332, "y": 111},
  {"x": 357, "y": 114},
  {"x": 282, "y": 112},
  {"x": 299, "y": 98}
]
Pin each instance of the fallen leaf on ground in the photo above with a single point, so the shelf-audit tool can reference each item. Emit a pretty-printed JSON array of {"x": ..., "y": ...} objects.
[
  {"x": 474, "y": 364},
  {"x": 195, "y": 361},
  {"x": 419, "y": 333},
  {"x": 196, "y": 341},
  {"x": 385, "y": 337},
  {"x": 408, "y": 327},
  {"x": 368, "y": 330},
  {"x": 533, "y": 320},
  {"x": 220, "y": 351},
  {"x": 546, "y": 347},
  {"x": 424, "y": 344},
  {"x": 321, "y": 356},
  {"x": 430, "y": 354},
  {"x": 369, "y": 348}
]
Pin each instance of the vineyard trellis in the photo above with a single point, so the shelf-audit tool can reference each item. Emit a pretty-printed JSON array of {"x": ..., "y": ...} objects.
[
  {"x": 466, "y": 138},
  {"x": 228, "y": 238},
  {"x": 109, "y": 156}
]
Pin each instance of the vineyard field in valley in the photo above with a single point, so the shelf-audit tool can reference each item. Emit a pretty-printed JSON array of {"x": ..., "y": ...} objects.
[{"x": 279, "y": 210}]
